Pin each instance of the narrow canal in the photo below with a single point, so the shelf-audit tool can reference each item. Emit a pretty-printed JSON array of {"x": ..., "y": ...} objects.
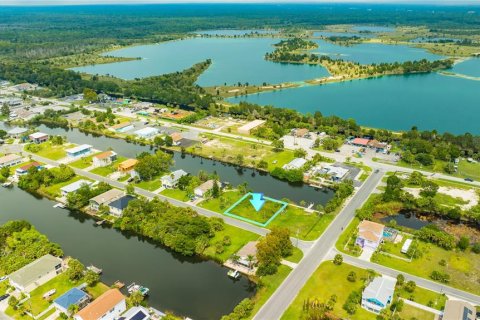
[
  {"x": 257, "y": 181},
  {"x": 188, "y": 286}
]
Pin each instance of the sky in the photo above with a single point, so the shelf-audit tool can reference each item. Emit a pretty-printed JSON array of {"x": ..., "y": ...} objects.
[{"x": 80, "y": 2}]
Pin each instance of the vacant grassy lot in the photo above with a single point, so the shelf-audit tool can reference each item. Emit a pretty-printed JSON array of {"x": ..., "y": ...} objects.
[
  {"x": 151, "y": 185},
  {"x": 54, "y": 190},
  {"x": 83, "y": 162},
  {"x": 105, "y": 171},
  {"x": 469, "y": 169},
  {"x": 346, "y": 241},
  {"x": 50, "y": 151},
  {"x": 175, "y": 193},
  {"x": 463, "y": 267},
  {"x": 246, "y": 210}
]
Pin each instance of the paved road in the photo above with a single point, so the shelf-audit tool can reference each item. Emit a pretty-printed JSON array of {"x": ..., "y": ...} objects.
[
  {"x": 288, "y": 290},
  {"x": 302, "y": 245},
  {"x": 421, "y": 282}
]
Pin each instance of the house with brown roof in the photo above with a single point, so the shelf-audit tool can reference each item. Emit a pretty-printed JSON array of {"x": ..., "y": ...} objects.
[
  {"x": 127, "y": 165},
  {"x": 377, "y": 145},
  {"x": 176, "y": 137},
  {"x": 106, "y": 307},
  {"x": 300, "y": 133},
  {"x": 370, "y": 234},
  {"x": 104, "y": 159}
]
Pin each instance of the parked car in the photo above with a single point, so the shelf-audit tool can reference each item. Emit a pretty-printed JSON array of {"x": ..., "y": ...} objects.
[
  {"x": 469, "y": 179},
  {"x": 5, "y": 296}
]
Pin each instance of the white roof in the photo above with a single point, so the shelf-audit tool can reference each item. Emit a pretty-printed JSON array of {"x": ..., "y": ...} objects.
[
  {"x": 296, "y": 163},
  {"x": 381, "y": 289},
  {"x": 338, "y": 172},
  {"x": 406, "y": 245},
  {"x": 9, "y": 158},
  {"x": 174, "y": 176},
  {"x": 146, "y": 131},
  {"x": 17, "y": 130},
  {"x": 37, "y": 135},
  {"x": 79, "y": 148},
  {"x": 75, "y": 186}
]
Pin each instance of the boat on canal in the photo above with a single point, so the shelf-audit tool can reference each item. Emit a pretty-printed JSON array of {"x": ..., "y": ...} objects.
[
  {"x": 133, "y": 287},
  {"x": 234, "y": 274}
]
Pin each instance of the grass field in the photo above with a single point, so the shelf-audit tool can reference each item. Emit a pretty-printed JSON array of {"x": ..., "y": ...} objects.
[
  {"x": 54, "y": 190},
  {"x": 175, "y": 193},
  {"x": 151, "y": 185},
  {"x": 83, "y": 162},
  {"x": 469, "y": 169},
  {"x": 105, "y": 171},
  {"x": 53, "y": 152},
  {"x": 296, "y": 255},
  {"x": 246, "y": 210}
]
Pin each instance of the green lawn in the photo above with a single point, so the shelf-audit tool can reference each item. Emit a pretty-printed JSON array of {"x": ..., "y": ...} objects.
[
  {"x": 238, "y": 238},
  {"x": 346, "y": 241},
  {"x": 175, "y": 193},
  {"x": 214, "y": 204},
  {"x": 83, "y": 162},
  {"x": 327, "y": 280},
  {"x": 47, "y": 314},
  {"x": 246, "y": 210},
  {"x": 468, "y": 169},
  {"x": 423, "y": 296},
  {"x": 151, "y": 185},
  {"x": 447, "y": 200},
  {"x": 3, "y": 287},
  {"x": 97, "y": 290},
  {"x": 54, "y": 190},
  {"x": 53, "y": 152},
  {"x": 267, "y": 286},
  {"x": 105, "y": 171},
  {"x": 411, "y": 312},
  {"x": 296, "y": 255},
  {"x": 463, "y": 267}
]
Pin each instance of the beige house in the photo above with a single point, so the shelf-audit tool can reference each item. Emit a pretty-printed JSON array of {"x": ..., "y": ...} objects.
[
  {"x": 456, "y": 309},
  {"x": 36, "y": 273},
  {"x": 370, "y": 234},
  {"x": 10, "y": 160},
  {"x": 202, "y": 189},
  {"x": 105, "y": 198}
]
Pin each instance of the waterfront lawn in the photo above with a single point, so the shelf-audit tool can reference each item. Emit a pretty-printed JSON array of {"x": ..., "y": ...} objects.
[
  {"x": 84, "y": 162},
  {"x": 175, "y": 193},
  {"x": 151, "y": 185},
  {"x": 215, "y": 204},
  {"x": 105, "y": 171},
  {"x": 308, "y": 225},
  {"x": 238, "y": 238},
  {"x": 50, "y": 151},
  {"x": 246, "y": 210},
  {"x": 463, "y": 267},
  {"x": 97, "y": 290},
  {"x": 327, "y": 280},
  {"x": 267, "y": 285},
  {"x": 54, "y": 190}
]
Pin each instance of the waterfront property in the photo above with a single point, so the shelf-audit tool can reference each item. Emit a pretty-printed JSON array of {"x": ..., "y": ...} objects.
[
  {"x": 248, "y": 254},
  {"x": 122, "y": 127},
  {"x": 104, "y": 159},
  {"x": 457, "y": 309},
  {"x": 136, "y": 313},
  {"x": 36, "y": 273},
  {"x": 176, "y": 138},
  {"x": 106, "y": 307},
  {"x": 23, "y": 170},
  {"x": 10, "y": 160},
  {"x": 117, "y": 206},
  {"x": 38, "y": 137},
  {"x": 147, "y": 132},
  {"x": 247, "y": 128},
  {"x": 378, "y": 294},
  {"x": 79, "y": 151},
  {"x": 202, "y": 190},
  {"x": 74, "y": 296},
  {"x": 171, "y": 180},
  {"x": 17, "y": 132},
  {"x": 370, "y": 234},
  {"x": 295, "y": 164},
  {"x": 73, "y": 187},
  {"x": 105, "y": 198},
  {"x": 335, "y": 172},
  {"x": 127, "y": 165}
]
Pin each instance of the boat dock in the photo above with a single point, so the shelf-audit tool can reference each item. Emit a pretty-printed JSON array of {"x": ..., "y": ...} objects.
[
  {"x": 95, "y": 269},
  {"x": 118, "y": 284}
]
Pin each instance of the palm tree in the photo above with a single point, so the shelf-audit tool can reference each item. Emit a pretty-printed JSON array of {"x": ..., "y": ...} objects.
[
  {"x": 251, "y": 259},
  {"x": 235, "y": 258}
]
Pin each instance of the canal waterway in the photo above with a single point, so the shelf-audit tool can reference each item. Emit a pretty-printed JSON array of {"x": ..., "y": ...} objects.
[
  {"x": 188, "y": 286},
  {"x": 257, "y": 181}
]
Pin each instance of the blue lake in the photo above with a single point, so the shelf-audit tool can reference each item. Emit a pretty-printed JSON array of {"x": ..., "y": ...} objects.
[
  {"x": 429, "y": 101},
  {"x": 235, "y": 32},
  {"x": 367, "y": 53},
  {"x": 470, "y": 67},
  {"x": 234, "y": 60}
]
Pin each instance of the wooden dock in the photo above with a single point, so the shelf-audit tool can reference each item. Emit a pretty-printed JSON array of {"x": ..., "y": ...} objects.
[
  {"x": 95, "y": 269},
  {"x": 118, "y": 284}
]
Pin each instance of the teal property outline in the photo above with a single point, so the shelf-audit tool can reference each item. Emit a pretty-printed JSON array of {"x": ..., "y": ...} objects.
[{"x": 228, "y": 213}]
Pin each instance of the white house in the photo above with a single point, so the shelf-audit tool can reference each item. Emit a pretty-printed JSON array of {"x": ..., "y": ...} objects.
[
  {"x": 147, "y": 132},
  {"x": 104, "y": 159},
  {"x": 378, "y": 294},
  {"x": 296, "y": 163},
  {"x": 117, "y": 206},
  {"x": 136, "y": 313},
  {"x": 38, "y": 137},
  {"x": 10, "y": 160},
  {"x": 370, "y": 234},
  {"x": 74, "y": 186},
  {"x": 80, "y": 150},
  {"x": 36, "y": 273},
  {"x": 171, "y": 180},
  {"x": 202, "y": 189},
  {"x": 108, "y": 306}
]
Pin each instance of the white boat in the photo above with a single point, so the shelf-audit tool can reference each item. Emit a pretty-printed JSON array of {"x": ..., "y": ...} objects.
[
  {"x": 234, "y": 274},
  {"x": 136, "y": 287},
  {"x": 7, "y": 184},
  {"x": 59, "y": 205}
]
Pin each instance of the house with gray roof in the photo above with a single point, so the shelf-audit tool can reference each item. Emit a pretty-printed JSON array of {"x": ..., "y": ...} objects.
[
  {"x": 171, "y": 180},
  {"x": 36, "y": 273},
  {"x": 378, "y": 294}
]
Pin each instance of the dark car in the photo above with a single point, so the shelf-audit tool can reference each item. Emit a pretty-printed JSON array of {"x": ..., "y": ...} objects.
[
  {"x": 469, "y": 179},
  {"x": 5, "y": 296}
]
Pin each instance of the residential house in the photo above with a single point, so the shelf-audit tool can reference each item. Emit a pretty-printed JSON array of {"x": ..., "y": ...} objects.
[
  {"x": 122, "y": 127},
  {"x": 296, "y": 163},
  {"x": 378, "y": 294},
  {"x": 171, "y": 180},
  {"x": 23, "y": 170},
  {"x": 74, "y": 296},
  {"x": 136, "y": 313},
  {"x": 79, "y": 151},
  {"x": 370, "y": 234},
  {"x": 105, "y": 198},
  {"x": 38, "y": 137},
  {"x": 176, "y": 138},
  {"x": 204, "y": 188},
  {"x": 247, "y": 128},
  {"x": 104, "y": 159},
  {"x": 335, "y": 172},
  {"x": 127, "y": 165},
  {"x": 108, "y": 306},
  {"x": 147, "y": 132},
  {"x": 73, "y": 187},
  {"x": 10, "y": 160},
  {"x": 360, "y": 142},
  {"x": 459, "y": 310},
  {"x": 117, "y": 206},
  {"x": 36, "y": 273},
  {"x": 247, "y": 251},
  {"x": 17, "y": 132}
]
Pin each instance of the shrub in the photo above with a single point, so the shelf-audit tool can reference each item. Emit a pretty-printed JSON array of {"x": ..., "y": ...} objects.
[
  {"x": 352, "y": 276},
  {"x": 338, "y": 260},
  {"x": 440, "y": 276},
  {"x": 463, "y": 243}
]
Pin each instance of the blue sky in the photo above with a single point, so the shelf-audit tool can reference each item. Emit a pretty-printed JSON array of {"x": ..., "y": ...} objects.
[{"x": 76, "y": 2}]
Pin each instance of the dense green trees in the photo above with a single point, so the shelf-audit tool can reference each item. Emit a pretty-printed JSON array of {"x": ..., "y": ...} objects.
[
  {"x": 35, "y": 178},
  {"x": 79, "y": 199},
  {"x": 271, "y": 249},
  {"x": 151, "y": 165}
]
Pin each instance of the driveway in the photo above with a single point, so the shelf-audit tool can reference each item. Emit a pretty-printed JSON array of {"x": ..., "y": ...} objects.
[{"x": 367, "y": 253}]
